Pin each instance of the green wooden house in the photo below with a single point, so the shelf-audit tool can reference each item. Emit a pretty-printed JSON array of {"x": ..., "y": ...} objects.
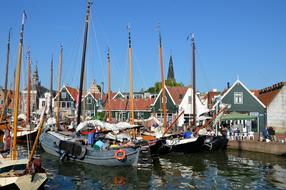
[
  {"x": 242, "y": 100},
  {"x": 68, "y": 98},
  {"x": 90, "y": 104},
  {"x": 174, "y": 97}
]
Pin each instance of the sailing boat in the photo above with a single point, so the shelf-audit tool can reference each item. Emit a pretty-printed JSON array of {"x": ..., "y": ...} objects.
[
  {"x": 74, "y": 147},
  {"x": 26, "y": 126},
  {"x": 197, "y": 141},
  {"x": 185, "y": 142},
  {"x": 14, "y": 172}
]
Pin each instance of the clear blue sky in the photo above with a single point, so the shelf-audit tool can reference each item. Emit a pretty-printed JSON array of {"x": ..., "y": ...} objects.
[{"x": 234, "y": 38}]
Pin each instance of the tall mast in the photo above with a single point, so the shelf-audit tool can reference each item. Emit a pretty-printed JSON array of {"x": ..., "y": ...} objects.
[
  {"x": 59, "y": 88},
  {"x": 7, "y": 66},
  {"x": 51, "y": 89},
  {"x": 3, "y": 111},
  {"x": 17, "y": 88},
  {"x": 109, "y": 93},
  {"x": 131, "y": 99},
  {"x": 163, "y": 81},
  {"x": 194, "y": 80},
  {"x": 29, "y": 87},
  {"x": 83, "y": 60}
]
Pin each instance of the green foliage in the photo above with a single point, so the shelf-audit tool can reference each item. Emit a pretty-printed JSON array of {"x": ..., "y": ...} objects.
[{"x": 157, "y": 86}]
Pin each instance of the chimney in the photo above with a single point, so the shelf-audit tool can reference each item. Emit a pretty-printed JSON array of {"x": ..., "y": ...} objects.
[{"x": 228, "y": 86}]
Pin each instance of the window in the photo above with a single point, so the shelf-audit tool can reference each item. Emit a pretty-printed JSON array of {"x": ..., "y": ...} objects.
[
  {"x": 190, "y": 100},
  {"x": 63, "y": 95},
  {"x": 1, "y": 102},
  {"x": 63, "y": 104},
  {"x": 68, "y": 104},
  {"x": 43, "y": 103},
  {"x": 88, "y": 100},
  {"x": 181, "y": 96},
  {"x": 238, "y": 98}
]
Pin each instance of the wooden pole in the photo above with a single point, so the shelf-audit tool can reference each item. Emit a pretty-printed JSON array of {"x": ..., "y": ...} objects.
[
  {"x": 172, "y": 124},
  {"x": 163, "y": 81},
  {"x": 51, "y": 90},
  {"x": 59, "y": 88},
  {"x": 194, "y": 81},
  {"x": 7, "y": 66},
  {"x": 29, "y": 87},
  {"x": 83, "y": 60},
  {"x": 109, "y": 90},
  {"x": 37, "y": 137},
  {"x": 17, "y": 89},
  {"x": 131, "y": 98}
]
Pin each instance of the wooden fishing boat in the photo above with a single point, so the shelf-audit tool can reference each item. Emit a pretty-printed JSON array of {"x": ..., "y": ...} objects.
[
  {"x": 163, "y": 142},
  {"x": 73, "y": 148},
  {"x": 18, "y": 173}
]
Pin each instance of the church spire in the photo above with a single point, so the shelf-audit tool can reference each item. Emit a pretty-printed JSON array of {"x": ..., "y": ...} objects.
[
  {"x": 171, "y": 75},
  {"x": 35, "y": 78}
]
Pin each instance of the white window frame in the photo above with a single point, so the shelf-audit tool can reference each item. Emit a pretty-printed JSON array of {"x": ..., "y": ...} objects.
[
  {"x": 63, "y": 95},
  {"x": 190, "y": 99},
  {"x": 238, "y": 98},
  {"x": 88, "y": 100}
]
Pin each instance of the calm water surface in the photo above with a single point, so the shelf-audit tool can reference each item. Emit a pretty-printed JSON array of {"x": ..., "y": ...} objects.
[{"x": 219, "y": 170}]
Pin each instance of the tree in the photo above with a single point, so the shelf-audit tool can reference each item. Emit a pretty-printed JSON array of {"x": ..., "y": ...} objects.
[{"x": 157, "y": 86}]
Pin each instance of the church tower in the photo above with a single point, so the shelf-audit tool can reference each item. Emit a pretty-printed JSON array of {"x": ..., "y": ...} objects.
[
  {"x": 35, "y": 79},
  {"x": 171, "y": 75}
]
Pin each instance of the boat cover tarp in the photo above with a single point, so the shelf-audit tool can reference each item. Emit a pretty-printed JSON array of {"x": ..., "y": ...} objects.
[{"x": 108, "y": 126}]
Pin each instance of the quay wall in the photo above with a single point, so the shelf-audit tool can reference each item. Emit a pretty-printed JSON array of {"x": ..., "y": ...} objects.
[{"x": 276, "y": 148}]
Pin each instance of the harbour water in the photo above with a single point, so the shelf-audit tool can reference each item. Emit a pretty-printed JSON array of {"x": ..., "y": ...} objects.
[{"x": 218, "y": 170}]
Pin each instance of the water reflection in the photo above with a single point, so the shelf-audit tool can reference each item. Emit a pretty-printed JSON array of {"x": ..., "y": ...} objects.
[
  {"x": 74, "y": 175},
  {"x": 229, "y": 170},
  {"x": 216, "y": 170}
]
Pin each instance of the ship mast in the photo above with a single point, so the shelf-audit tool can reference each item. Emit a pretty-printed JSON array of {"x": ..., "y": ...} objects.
[
  {"x": 17, "y": 88},
  {"x": 7, "y": 65},
  {"x": 51, "y": 90},
  {"x": 3, "y": 111},
  {"x": 162, "y": 81},
  {"x": 59, "y": 88},
  {"x": 83, "y": 60},
  {"x": 29, "y": 87},
  {"x": 194, "y": 80},
  {"x": 131, "y": 98},
  {"x": 109, "y": 90}
]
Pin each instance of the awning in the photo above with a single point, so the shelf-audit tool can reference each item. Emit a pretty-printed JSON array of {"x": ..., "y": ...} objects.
[{"x": 237, "y": 116}]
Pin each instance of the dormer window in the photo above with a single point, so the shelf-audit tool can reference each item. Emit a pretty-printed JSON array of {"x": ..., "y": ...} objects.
[{"x": 238, "y": 97}]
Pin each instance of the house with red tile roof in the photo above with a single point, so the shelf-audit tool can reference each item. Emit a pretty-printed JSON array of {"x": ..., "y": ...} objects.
[
  {"x": 210, "y": 98},
  {"x": 68, "y": 100},
  {"x": 177, "y": 99},
  {"x": 274, "y": 98},
  {"x": 120, "y": 108}
]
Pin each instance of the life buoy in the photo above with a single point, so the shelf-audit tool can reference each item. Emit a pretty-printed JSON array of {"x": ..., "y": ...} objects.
[
  {"x": 120, "y": 154},
  {"x": 119, "y": 180}
]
